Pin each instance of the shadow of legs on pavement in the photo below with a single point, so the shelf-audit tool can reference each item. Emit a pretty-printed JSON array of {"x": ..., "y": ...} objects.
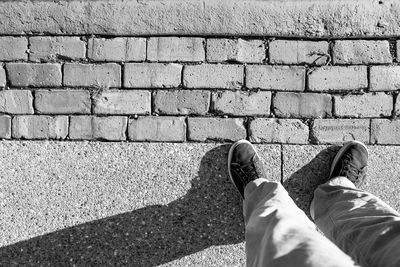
[
  {"x": 210, "y": 214},
  {"x": 302, "y": 183}
]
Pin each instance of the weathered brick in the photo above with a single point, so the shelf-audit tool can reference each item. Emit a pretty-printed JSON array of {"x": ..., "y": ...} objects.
[
  {"x": 336, "y": 78},
  {"x": 276, "y": 77},
  {"x": 13, "y": 48},
  {"x": 117, "y": 49},
  {"x": 31, "y": 74},
  {"x": 92, "y": 75},
  {"x": 3, "y": 79},
  {"x": 242, "y": 103},
  {"x": 213, "y": 76},
  {"x": 222, "y": 50},
  {"x": 203, "y": 129},
  {"x": 384, "y": 78},
  {"x": 384, "y": 131},
  {"x": 302, "y": 105},
  {"x": 152, "y": 75},
  {"x": 340, "y": 130},
  {"x": 298, "y": 52},
  {"x": 5, "y": 126},
  {"x": 289, "y": 131},
  {"x": 165, "y": 129},
  {"x": 16, "y": 102},
  {"x": 44, "y": 48},
  {"x": 62, "y": 102},
  {"x": 110, "y": 128},
  {"x": 361, "y": 52},
  {"x": 169, "y": 49},
  {"x": 367, "y": 105},
  {"x": 182, "y": 102},
  {"x": 123, "y": 102},
  {"x": 40, "y": 127}
]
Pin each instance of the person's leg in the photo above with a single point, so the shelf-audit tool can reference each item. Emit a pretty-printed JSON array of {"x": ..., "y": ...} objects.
[
  {"x": 362, "y": 225},
  {"x": 278, "y": 233}
]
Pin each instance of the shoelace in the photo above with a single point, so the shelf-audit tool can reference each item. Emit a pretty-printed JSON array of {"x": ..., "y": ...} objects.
[
  {"x": 247, "y": 172},
  {"x": 349, "y": 169}
]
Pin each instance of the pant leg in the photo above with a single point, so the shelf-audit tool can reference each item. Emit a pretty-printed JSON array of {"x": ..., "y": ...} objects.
[
  {"x": 278, "y": 233},
  {"x": 362, "y": 225}
]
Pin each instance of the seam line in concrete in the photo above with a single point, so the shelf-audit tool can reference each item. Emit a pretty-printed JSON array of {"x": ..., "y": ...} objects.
[{"x": 370, "y": 131}]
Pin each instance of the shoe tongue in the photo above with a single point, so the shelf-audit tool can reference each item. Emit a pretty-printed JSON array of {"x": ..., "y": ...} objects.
[
  {"x": 243, "y": 155},
  {"x": 358, "y": 158}
]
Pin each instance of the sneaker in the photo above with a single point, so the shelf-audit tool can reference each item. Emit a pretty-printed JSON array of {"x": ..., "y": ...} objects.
[
  {"x": 244, "y": 165},
  {"x": 351, "y": 162}
]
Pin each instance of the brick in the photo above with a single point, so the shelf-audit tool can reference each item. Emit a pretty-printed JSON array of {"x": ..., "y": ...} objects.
[
  {"x": 242, "y": 103},
  {"x": 238, "y": 50},
  {"x": 152, "y": 75},
  {"x": 367, "y": 105},
  {"x": 16, "y": 102},
  {"x": 110, "y": 128},
  {"x": 62, "y": 102},
  {"x": 213, "y": 76},
  {"x": 290, "y": 131},
  {"x": 31, "y": 74},
  {"x": 171, "y": 49},
  {"x": 384, "y": 78},
  {"x": 3, "y": 79},
  {"x": 165, "y": 129},
  {"x": 5, "y": 126},
  {"x": 92, "y": 75},
  {"x": 117, "y": 49},
  {"x": 56, "y": 48},
  {"x": 281, "y": 78},
  {"x": 384, "y": 131},
  {"x": 298, "y": 52},
  {"x": 182, "y": 102},
  {"x": 361, "y": 52},
  {"x": 13, "y": 48},
  {"x": 340, "y": 130},
  {"x": 302, "y": 105},
  {"x": 225, "y": 129},
  {"x": 123, "y": 102},
  {"x": 338, "y": 78},
  {"x": 40, "y": 127}
]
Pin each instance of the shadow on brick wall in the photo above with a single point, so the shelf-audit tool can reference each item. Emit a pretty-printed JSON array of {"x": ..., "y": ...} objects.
[
  {"x": 302, "y": 183},
  {"x": 210, "y": 214}
]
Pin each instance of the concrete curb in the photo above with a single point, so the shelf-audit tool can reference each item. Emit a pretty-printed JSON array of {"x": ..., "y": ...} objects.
[{"x": 310, "y": 19}]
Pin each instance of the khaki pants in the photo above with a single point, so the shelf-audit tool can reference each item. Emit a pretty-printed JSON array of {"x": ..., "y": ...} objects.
[{"x": 278, "y": 233}]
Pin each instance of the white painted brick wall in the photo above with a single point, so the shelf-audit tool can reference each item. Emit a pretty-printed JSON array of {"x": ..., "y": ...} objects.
[
  {"x": 298, "y": 52},
  {"x": 367, "y": 105},
  {"x": 281, "y": 78},
  {"x": 338, "y": 78}
]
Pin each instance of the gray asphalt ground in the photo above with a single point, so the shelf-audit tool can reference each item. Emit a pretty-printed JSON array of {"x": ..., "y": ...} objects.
[{"x": 141, "y": 204}]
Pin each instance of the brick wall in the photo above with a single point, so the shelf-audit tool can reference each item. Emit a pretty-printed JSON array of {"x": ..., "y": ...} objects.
[{"x": 193, "y": 89}]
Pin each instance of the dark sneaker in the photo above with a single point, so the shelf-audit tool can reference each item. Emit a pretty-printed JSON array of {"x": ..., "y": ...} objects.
[
  {"x": 351, "y": 162},
  {"x": 244, "y": 165}
]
